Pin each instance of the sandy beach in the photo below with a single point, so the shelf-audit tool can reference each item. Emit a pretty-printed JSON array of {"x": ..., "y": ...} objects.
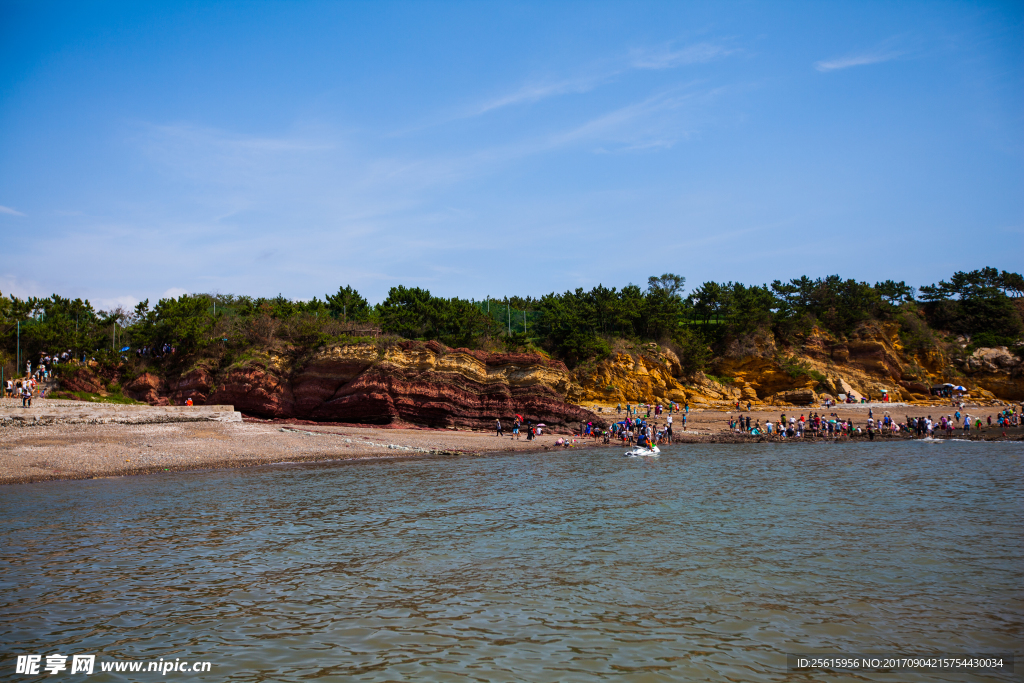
[
  {"x": 85, "y": 451},
  {"x": 29, "y": 454}
]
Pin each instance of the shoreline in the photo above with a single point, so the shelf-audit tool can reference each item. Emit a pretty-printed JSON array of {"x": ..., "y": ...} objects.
[
  {"x": 52, "y": 452},
  {"x": 65, "y": 452}
]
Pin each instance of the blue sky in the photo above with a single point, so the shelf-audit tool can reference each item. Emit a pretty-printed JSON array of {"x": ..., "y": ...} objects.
[{"x": 480, "y": 148}]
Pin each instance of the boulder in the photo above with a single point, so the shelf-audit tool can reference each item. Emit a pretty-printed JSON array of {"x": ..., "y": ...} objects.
[
  {"x": 798, "y": 397},
  {"x": 82, "y": 379},
  {"x": 196, "y": 385},
  {"x": 146, "y": 388},
  {"x": 675, "y": 367},
  {"x": 998, "y": 359},
  {"x": 916, "y": 387}
]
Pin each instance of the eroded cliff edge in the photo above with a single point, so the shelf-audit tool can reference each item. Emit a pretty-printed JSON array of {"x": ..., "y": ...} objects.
[
  {"x": 756, "y": 369},
  {"x": 421, "y": 383}
]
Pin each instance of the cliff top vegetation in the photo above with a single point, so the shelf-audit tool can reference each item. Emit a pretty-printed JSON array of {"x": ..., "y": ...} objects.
[{"x": 983, "y": 306}]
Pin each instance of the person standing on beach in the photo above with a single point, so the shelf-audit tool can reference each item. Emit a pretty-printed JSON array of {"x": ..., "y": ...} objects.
[{"x": 497, "y": 426}]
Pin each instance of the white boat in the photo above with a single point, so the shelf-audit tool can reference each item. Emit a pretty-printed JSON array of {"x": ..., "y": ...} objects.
[{"x": 642, "y": 452}]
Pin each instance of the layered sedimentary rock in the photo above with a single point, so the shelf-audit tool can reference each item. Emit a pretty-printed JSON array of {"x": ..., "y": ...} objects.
[
  {"x": 650, "y": 375},
  {"x": 872, "y": 361},
  {"x": 996, "y": 370},
  {"x": 82, "y": 379},
  {"x": 147, "y": 388},
  {"x": 411, "y": 382}
]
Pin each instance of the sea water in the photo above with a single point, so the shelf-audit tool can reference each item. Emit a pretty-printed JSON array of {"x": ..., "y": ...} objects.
[{"x": 711, "y": 562}]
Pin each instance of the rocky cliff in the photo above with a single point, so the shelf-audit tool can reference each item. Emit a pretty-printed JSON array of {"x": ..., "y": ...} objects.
[
  {"x": 872, "y": 360},
  {"x": 646, "y": 373},
  {"x": 430, "y": 384},
  {"x": 409, "y": 382},
  {"x": 994, "y": 370}
]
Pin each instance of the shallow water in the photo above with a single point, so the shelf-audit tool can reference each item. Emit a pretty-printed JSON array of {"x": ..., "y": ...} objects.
[{"x": 710, "y": 563}]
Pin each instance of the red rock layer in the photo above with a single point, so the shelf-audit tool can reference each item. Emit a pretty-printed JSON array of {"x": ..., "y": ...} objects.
[{"x": 424, "y": 384}]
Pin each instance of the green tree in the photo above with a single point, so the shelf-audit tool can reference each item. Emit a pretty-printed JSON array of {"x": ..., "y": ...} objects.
[
  {"x": 407, "y": 312},
  {"x": 348, "y": 304}
]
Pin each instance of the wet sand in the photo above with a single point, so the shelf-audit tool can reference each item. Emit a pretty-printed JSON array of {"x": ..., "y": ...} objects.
[
  {"x": 29, "y": 454},
  {"x": 85, "y": 451}
]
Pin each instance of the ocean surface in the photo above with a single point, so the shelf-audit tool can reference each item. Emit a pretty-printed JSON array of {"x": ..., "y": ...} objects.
[{"x": 710, "y": 563}]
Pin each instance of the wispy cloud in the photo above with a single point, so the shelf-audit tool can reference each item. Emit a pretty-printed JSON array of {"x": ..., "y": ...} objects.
[
  {"x": 20, "y": 287},
  {"x": 666, "y": 57},
  {"x": 125, "y": 302},
  {"x": 662, "y": 57},
  {"x": 10, "y": 211},
  {"x": 862, "y": 59},
  {"x": 615, "y": 121},
  {"x": 538, "y": 91}
]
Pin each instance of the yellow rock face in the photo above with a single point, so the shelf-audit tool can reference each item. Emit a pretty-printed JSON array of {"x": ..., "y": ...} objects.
[
  {"x": 872, "y": 362},
  {"x": 518, "y": 370},
  {"x": 624, "y": 378}
]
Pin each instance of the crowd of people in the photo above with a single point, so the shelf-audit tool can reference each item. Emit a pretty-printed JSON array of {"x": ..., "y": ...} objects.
[
  {"x": 643, "y": 425},
  {"x": 813, "y": 425},
  {"x": 834, "y": 427},
  {"x": 951, "y": 424},
  {"x": 531, "y": 430},
  {"x": 154, "y": 351},
  {"x": 27, "y": 387}
]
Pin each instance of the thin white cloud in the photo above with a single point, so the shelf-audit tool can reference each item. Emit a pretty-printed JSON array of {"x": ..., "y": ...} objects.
[
  {"x": 604, "y": 124},
  {"x": 667, "y": 58},
  {"x": 10, "y": 211},
  {"x": 235, "y": 143},
  {"x": 641, "y": 125},
  {"x": 173, "y": 293},
  {"x": 873, "y": 57},
  {"x": 125, "y": 302},
  {"x": 538, "y": 91},
  {"x": 663, "y": 57},
  {"x": 20, "y": 287}
]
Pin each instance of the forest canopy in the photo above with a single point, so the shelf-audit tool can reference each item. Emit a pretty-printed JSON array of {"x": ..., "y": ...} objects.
[{"x": 983, "y": 305}]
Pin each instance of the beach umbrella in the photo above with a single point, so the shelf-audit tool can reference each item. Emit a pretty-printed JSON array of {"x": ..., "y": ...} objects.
[
  {"x": 541, "y": 424},
  {"x": 959, "y": 388}
]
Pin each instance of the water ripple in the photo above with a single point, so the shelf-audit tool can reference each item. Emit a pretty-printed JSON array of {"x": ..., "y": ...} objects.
[{"x": 710, "y": 563}]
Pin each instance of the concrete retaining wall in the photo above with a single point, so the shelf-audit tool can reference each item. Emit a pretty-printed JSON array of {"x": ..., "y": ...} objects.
[{"x": 44, "y": 412}]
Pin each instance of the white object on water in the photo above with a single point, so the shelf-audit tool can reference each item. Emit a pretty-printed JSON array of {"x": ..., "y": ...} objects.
[{"x": 641, "y": 452}]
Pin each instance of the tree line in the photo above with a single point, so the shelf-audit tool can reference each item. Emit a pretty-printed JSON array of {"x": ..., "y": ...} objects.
[{"x": 574, "y": 325}]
